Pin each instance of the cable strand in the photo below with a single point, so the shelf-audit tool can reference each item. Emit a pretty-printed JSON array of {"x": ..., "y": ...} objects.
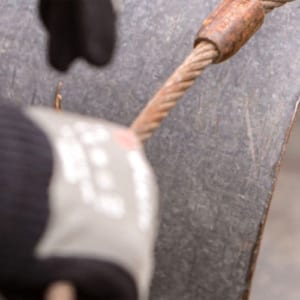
[
  {"x": 180, "y": 81},
  {"x": 269, "y": 5}
]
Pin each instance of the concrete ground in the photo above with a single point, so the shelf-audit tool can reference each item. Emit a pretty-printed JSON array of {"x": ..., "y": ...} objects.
[{"x": 278, "y": 273}]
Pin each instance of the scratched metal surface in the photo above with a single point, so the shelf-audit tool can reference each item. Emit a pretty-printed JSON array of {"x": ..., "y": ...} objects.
[
  {"x": 215, "y": 156},
  {"x": 278, "y": 271}
]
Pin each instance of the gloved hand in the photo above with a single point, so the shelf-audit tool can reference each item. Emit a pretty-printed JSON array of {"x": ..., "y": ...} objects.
[
  {"x": 79, "y": 28},
  {"x": 78, "y": 203}
]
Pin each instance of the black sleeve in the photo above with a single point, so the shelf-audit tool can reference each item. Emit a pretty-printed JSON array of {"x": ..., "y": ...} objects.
[
  {"x": 79, "y": 28},
  {"x": 26, "y": 170}
]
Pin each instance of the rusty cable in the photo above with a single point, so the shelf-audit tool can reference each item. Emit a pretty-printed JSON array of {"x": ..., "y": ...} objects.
[
  {"x": 204, "y": 54},
  {"x": 269, "y": 5},
  {"x": 174, "y": 88}
]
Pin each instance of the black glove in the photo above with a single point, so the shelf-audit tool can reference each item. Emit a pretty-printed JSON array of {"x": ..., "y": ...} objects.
[
  {"x": 79, "y": 28},
  {"x": 78, "y": 203}
]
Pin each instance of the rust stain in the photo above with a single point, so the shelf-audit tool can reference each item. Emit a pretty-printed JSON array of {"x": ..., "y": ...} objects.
[{"x": 231, "y": 25}]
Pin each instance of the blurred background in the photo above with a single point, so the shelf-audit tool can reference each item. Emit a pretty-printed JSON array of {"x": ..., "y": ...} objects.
[{"x": 278, "y": 271}]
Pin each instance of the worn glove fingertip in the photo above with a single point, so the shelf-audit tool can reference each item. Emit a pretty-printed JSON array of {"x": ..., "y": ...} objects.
[{"x": 96, "y": 22}]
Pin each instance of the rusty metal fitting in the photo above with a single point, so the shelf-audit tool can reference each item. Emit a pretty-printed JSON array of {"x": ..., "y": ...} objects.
[{"x": 231, "y": 25}]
